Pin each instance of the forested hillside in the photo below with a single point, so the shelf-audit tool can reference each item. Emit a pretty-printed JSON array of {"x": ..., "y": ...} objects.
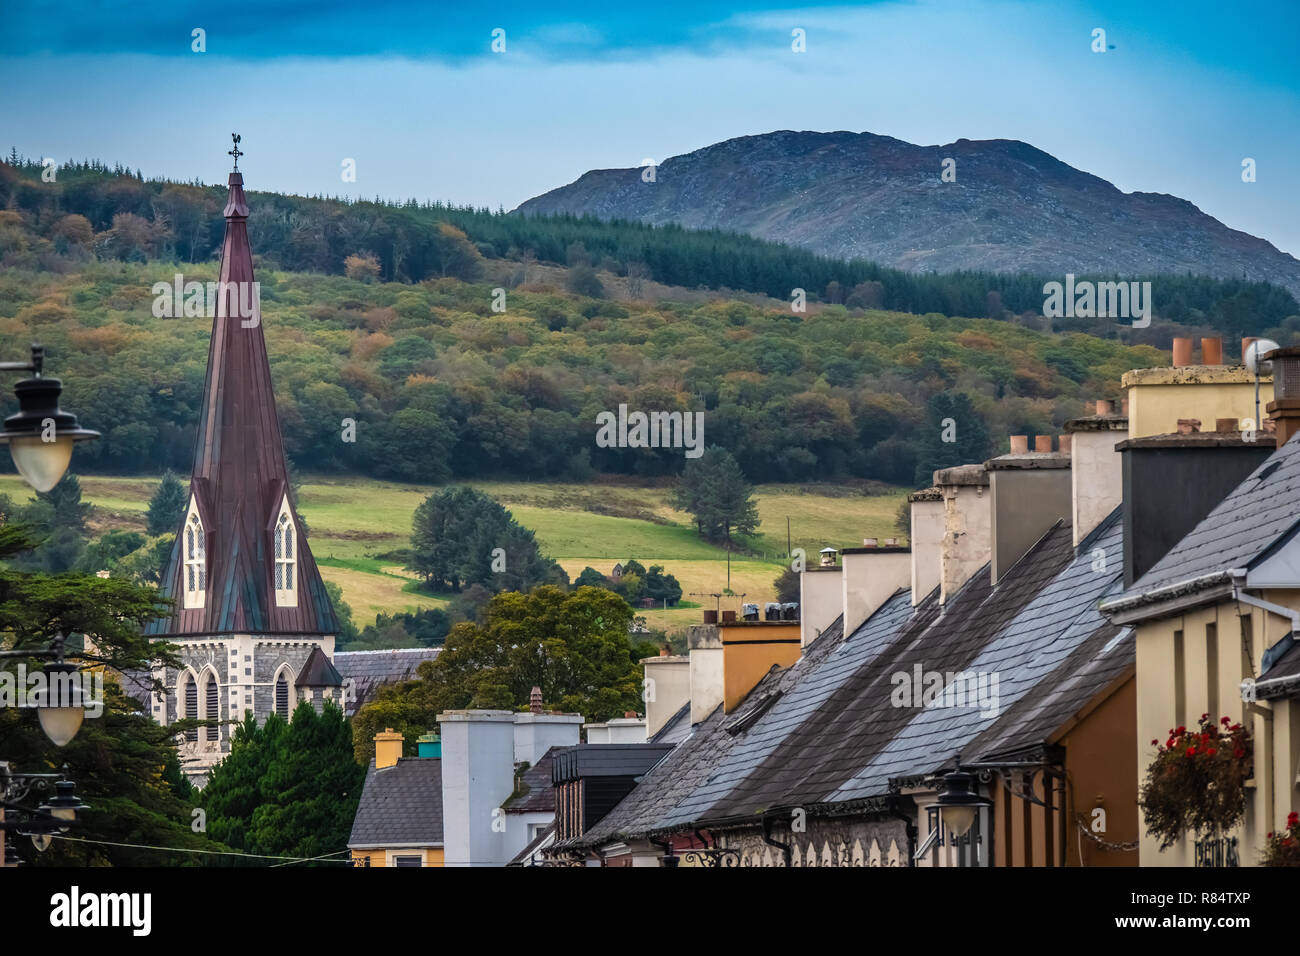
[
  {"x": 128, "y": 218},
  {"x": 440, "y": 386}
]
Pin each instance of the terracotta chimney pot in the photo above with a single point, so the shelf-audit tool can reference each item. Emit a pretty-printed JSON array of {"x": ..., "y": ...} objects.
[
  {"x": 1019, "y": 444},
  {"x": 1245, "y": 344},
  {"x": 535, "y": 701},
  {"x": 1212, "y": 350},
  {"x": 1189, "y": 426},
  {"x": 1066, "y": 444},
  {"x": 1222, "y": 425},
  {"x": 1042, "y": 443},
  {"x": 1104, "y": 407},
  {"x": 1182, "y": 352},
  {"x": 1123, "y": 407},
  {"x": 868, "y": 542}
]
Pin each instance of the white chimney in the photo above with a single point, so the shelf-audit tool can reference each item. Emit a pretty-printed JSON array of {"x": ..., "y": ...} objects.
[
  {"x": 967, "y": 527},
  {"x": 667, "y": 687},
  {"x": 478, "y": 775},
  {"x": 705, "y": 645},
  {"x": 821, "y": 601},
  {"x": 1097, "y": 470},
  {"x": 537, "y": 733},
  {"x": 871, "y": 575},
  {"x": 927, "y": 523}
]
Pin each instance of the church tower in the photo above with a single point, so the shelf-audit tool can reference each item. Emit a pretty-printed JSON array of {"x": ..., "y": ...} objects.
[{"x": 251, "y": 615}]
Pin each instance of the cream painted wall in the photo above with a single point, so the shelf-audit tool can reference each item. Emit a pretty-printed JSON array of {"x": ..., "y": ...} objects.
[
  {"x": 1158, "y": 397},
  {"x": 1176, "y": 686},
  {"x": 820, "y": 601},
  {"x": 667, "y": 688}
]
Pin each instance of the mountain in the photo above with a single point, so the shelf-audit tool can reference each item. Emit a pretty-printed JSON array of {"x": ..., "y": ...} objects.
[{"x": 849, "y": 195}]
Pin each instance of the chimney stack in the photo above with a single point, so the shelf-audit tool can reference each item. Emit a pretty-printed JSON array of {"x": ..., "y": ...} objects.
[
  {"x": 927, "y": 534},
  {"x": 967, "y": 527},
  {"x": 667, "y": 688},
  {"x": 1284, "y": 410},
  {"x": 869, "y": 577},
  {"x": 1028, "y": 494},
  {"x": 820, "y": 599},
  {"x": 388, "y": 748},
  {"x": 1096, "y": 468}
]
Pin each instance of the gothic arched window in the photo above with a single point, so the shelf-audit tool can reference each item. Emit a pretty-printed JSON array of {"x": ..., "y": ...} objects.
[
  {"x": 195, "y": 568},
  {"x": 212, "y": 709},
  {"x": 286, "y": 560},
  {"x": 191, "y": 698},
  {"x": 282, "y": 696}
]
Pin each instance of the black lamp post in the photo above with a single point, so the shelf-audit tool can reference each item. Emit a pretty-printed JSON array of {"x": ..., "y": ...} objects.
[
  {"x": 56, "y": 815},
  {"x": 41, "y": 435}
]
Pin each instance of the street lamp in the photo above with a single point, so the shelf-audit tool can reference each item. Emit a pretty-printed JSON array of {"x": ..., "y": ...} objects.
[
  {"x": 61, "y": 707},
  {"x": 41, "y": 435},
  {"x": 960, "y": 802},
  {"x": 56, "y": 815}
]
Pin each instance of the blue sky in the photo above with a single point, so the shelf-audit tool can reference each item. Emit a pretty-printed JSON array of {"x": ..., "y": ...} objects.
[{"x": 414, "y": 94}]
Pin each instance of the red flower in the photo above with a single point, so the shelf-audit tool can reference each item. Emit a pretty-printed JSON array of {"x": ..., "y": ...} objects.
[
  {"x": 1155, "y": 743},
  {"x": 1181, "y": 729},
  {"x": 1225, "y": 720},
  {"x": 1269, "y": 837},
  {"x": 1191, "y": 751},
  {"x": 1211, "y": 752},
  {"x": 1239, "y": 753},
  {"x": 1204, "y": 716}
]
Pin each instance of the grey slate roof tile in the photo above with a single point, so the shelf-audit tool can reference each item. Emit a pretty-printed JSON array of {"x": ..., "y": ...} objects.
[
  {"x": 1258, "y": 511},
  {"x": 400, "y": 804},
  {"x": 370, "y": 670}
]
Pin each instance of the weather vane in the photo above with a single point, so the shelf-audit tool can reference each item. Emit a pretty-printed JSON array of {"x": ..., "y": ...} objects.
[{"x": 236, "y": 152}]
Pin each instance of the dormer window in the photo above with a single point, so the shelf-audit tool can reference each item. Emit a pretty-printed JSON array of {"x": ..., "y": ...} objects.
[
  {"x": 286, "y": 560},
  {"x": 194, "y": 553}
]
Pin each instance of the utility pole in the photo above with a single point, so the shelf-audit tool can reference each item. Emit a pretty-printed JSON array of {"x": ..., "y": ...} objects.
[{"x": 788, "y": 549}]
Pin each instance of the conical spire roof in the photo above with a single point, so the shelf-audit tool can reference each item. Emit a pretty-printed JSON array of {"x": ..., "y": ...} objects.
[{"x": 240, "y": 480}]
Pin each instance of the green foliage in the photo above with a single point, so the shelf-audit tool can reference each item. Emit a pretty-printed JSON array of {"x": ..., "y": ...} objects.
[
  {"x": 714, "y": 492},
  {"x": 787, "y": 586},
  {"x": 953, "y": 434},
  {"x": 442, "y": 389},
  {"x": 427, "y": 627},
  {"x": 343, "y": 611},
  {"x": 573, "y": 645},
  {"x": 461, "y": 536},
  {"x": 167, "y": 506},
  {"x": 289, "y": 790}
]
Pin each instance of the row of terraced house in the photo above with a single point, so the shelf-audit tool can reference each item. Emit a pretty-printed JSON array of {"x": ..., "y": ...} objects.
[{"x": 992, "y": 694}]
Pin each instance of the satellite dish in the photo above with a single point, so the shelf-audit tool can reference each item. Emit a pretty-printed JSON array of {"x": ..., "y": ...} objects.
[{"x": 1253, "y": 358}]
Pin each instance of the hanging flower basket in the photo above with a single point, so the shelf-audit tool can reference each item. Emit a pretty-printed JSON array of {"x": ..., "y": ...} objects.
[
  {"x": 1283, "y": 847},
  {"x": 1196, "y": 781}
]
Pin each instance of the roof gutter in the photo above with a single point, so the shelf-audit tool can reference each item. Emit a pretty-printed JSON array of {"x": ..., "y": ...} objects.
[
  {"x": 1252, "y": 690},
  {"x": 1170, "y": 599}
]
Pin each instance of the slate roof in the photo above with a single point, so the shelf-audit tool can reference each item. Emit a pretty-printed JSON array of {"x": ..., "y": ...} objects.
[
  {"x": 1243, "y": 525},
  {"x": 369, "y": 670},
  {"x": 240, "y": 477},
  {"x": 538, "y": 793},
  {"x": 401, "y": 804},
  {"x": 1285, "y": 671},
  {"x": 652, "y": 803},
  {"x": 825, "y": 731},
  {"x": 318, "y": 671},
  {"x": 604, "y": 760},
  {"x": 677, "y": 729}
]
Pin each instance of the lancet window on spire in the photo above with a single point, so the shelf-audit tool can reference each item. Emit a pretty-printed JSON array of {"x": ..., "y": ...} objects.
[
  {"x": 195, "y": 567},
  {"x": 286, "y": 558}
]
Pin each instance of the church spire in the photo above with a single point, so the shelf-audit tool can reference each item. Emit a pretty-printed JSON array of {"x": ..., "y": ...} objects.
[{"x": 241, "y": 562}]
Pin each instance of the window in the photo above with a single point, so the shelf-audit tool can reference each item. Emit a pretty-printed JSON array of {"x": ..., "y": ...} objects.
[
  {"x": 213, "y": 708},
  {"x": 195, "y": 568},
  {"x": 286, "y": 562},
  {"x": 282, "y": 697},
  {"x": 408, "y": 861},
  {"x": 191, "y": 706}
]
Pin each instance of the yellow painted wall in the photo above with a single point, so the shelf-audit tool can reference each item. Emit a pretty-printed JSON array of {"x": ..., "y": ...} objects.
[
  {"x": 750, "y": 650},
  {"x": 1158, "y": 397},
  {"x": 379, "y": 857},
  {"x": 1175, "y": 688}
]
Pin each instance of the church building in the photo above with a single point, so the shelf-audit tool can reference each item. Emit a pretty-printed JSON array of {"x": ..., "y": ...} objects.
[{"x": 251, "y": 615}]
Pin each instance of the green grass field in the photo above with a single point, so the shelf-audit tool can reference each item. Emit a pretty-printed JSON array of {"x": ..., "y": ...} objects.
[{"x": 351, "y": 521}]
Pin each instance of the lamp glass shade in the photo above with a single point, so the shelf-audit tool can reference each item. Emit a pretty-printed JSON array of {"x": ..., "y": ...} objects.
[
  {"x": 61, "y": 723},
  {"x": 41, "y": 463},
  {"x": 41, "y": 841},
  {"x": 957, "y": 820}
]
